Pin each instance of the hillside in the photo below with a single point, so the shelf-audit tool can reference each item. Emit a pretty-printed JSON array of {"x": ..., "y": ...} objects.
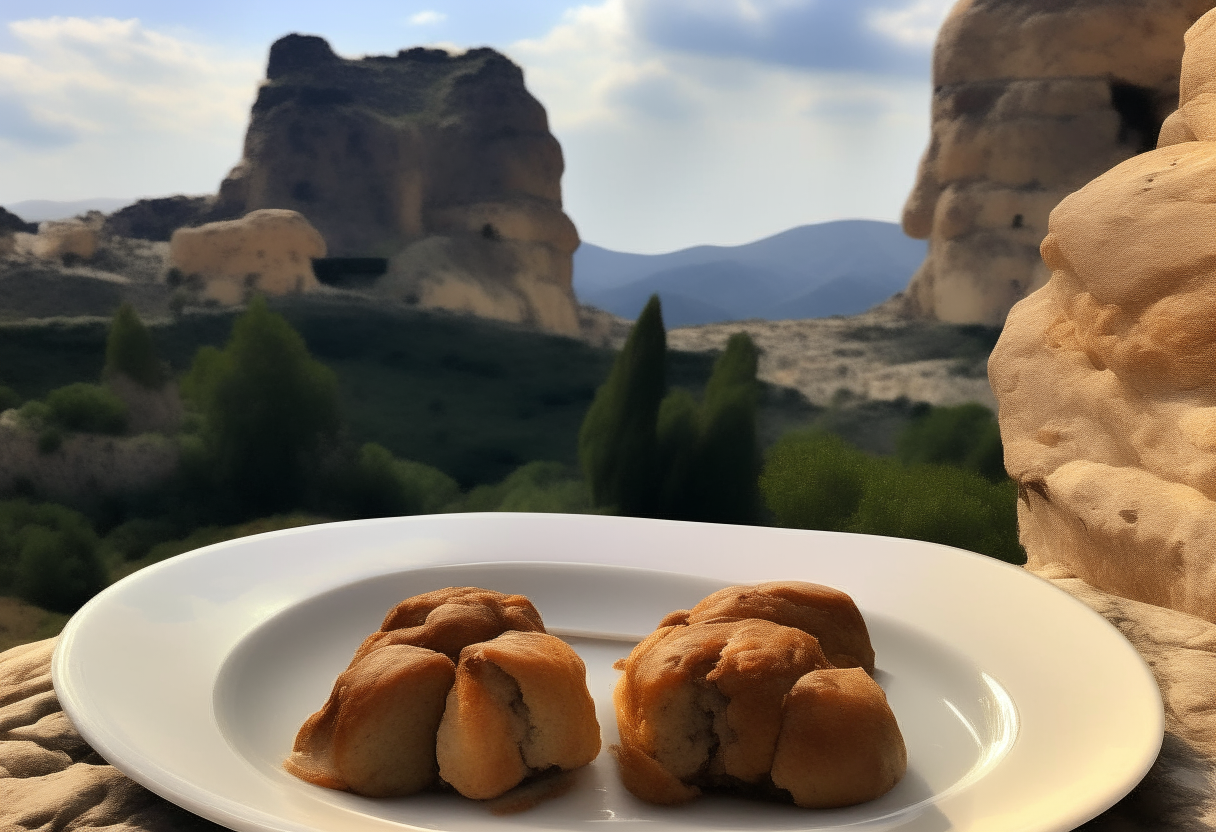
[{"x": 813, "y": 271}]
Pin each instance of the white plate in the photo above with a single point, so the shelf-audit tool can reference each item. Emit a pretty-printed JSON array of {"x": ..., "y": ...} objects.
[{"x": 1021, "y": 708}]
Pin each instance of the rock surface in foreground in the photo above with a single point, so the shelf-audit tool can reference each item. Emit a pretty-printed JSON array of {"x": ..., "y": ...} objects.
[{"x": 1105, "y": 375}]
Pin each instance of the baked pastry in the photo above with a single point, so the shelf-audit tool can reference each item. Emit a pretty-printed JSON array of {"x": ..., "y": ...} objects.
[
  {"x": 828, "y": 614},
  {"x": 729, "y": 695},
  {"x": 471, "y": 664},
  {"x": 520, "y": 706},
  {"x": 839, "y": 742}
]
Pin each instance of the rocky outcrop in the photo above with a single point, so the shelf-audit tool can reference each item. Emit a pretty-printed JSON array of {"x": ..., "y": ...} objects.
[
  {"x": 1105, "y": 375},
  {"x": 441, "y": 164},
  {"x": 1031, "y": 100},
  {"x": 268, "y": 251},
  {"x": 10, "y": 223},
  {"x": 157, "y": 219},
  {"x": 65, "y": 240}
]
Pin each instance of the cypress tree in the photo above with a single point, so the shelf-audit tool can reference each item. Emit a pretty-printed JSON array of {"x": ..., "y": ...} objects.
[
  {"x": 129, "y": 350},
  {"x": 729, "y": 461},
  {"x": 617, "y": 440}
]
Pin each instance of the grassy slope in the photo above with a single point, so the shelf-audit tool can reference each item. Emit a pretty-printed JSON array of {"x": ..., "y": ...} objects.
[{"x": 474, "y": 398}]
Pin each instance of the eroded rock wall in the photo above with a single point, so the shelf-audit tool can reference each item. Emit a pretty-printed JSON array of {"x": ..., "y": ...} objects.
[
  {"x": 1106, "y": 376},
  {"x": 1032, "y": 99},
  {"x": 443, "y": 165}
]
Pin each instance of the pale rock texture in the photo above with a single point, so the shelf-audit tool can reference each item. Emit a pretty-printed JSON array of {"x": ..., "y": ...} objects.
[
  {"x": 1106, "y": 376},
  {"x": 268, "y": 251},
  {"x": 441, "y": 164},
  {"x": 55, "y": 240},
  {"x": 1032, "y": 99}
]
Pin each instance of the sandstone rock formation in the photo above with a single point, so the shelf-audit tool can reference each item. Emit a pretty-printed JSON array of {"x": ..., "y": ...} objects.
[
  {"x": 1031, "y": 100},
  {"x": 441, "y": 164},
  {"x": 157, "y": 219},
  {"x": 268, "y": 251},
  {"x": 1106, "y": 376},
  {"x": 60, "y": 240}
]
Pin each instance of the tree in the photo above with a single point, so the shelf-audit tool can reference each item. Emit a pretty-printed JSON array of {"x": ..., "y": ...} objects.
[
  {"x": 728, "y": 462},
  {"x": 617, "y": 439},
  {"x": 270, "y": 410},
  {"x": 129, "y": 350}
]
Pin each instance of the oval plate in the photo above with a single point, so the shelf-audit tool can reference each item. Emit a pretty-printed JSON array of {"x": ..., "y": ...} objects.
[{"x": 1021, "y": 708}]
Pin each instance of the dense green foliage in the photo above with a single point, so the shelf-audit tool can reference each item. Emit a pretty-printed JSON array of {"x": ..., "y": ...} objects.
[
  {"x": 373, "y": 483},
  {"x": 270, "y": 410},
  {"x": 48, "y": 555},
  {"x": 617, "y": 440},
  {"x": 87, "y": 408},
  {"x": 812, "y": 480},
  {"x": 129, "y": 350},
  {"x": 538, "y": 486},
  {"x": 966, "y": 436},
  {"x": 647, "y": 452}
]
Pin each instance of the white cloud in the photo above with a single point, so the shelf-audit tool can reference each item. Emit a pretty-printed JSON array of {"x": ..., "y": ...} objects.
[
  {"x": 913, "y": 25},
  {"x": 427, "y": 18},
  {"x": 666, "y": 149},
  {"x": 135, "y": 110}
]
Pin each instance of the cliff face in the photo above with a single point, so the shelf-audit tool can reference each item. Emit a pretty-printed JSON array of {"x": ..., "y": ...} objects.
[
  {"x": 1032, "y": 99},
  {"x": 443, "y": 165}
]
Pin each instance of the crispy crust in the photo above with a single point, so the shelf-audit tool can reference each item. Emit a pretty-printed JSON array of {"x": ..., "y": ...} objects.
[
  {"x": 839, "y": 743},
  {"x": 736, "y": 693},
  {"x": 364, "y": 739},
  {"x": 516, "y": 703},
  {"x": 448, "y": 620},
  {"x": 520, "y": 705},
  {"x": 703, "y": 701},
  {"x": 826, "y": 613}
]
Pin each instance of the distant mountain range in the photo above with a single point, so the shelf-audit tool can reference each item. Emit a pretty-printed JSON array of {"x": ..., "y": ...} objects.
[
  {"x": 813, "y": 271},
  {"x": 37, "y": 210}
]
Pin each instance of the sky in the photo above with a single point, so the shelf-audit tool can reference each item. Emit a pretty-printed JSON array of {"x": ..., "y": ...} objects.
[{"x": 682, "y": 122}]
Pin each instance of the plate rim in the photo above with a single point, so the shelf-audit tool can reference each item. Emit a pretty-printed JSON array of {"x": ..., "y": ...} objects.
[{"x": 73, "y": 698}]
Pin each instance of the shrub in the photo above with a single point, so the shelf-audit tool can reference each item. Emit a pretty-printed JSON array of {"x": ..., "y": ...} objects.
[
  {"x": 375, "y": 484},
  {"x": 48, "y": 555},
  {"x": 87, "y": 408},
  {"x": 817, "y": 481},
  {"x": 814, "y": 480},
  {"x": 941, "y": 504},
  {"x": 135, "y": 538},
  {"x": 966, "y": 436},
  {"x": 270, "y": 411},
  {"x": 548, "y": 487},
  {"x": 129, "y": 350},
  {"x": 8, "y": 398}
]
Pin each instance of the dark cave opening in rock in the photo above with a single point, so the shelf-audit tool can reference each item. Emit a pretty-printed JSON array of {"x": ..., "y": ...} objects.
[
  {"x": 1139, "y": 123},
  {"x": 349, "y": 272}
]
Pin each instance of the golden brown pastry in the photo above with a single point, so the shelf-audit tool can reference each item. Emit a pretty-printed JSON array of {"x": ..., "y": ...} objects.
[
  {"x": 482, "y": 655},
  {"x": 448, "y": 620},
  {"x": 839, "y": 742},
  {"x": 737, "y": 694},
  {"x": 520, "y": 706},
  {"x": 375, "y": 735},
  {"x": 704, "y": 701},
  {"x": 826, "y": 613}
]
